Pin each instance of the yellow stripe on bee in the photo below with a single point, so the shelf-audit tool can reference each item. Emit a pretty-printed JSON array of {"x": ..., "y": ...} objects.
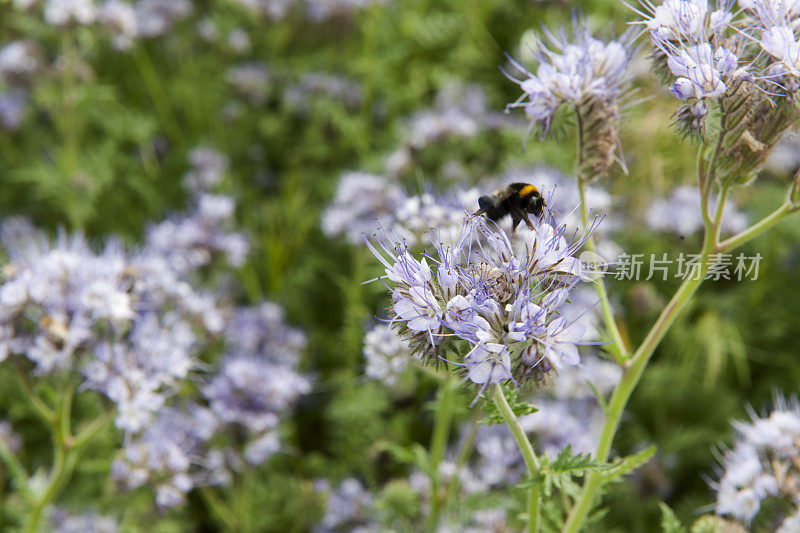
[{"x": 526, "y": 190}]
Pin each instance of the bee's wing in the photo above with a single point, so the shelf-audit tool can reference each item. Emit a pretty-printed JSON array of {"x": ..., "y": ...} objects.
[{"x": 503, "y": 194}]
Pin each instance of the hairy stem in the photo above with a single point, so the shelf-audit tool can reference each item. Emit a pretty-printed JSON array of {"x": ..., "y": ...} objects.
[
  {"x": 524, "y": 445},
  {"x": 66, "y": 452},
  {"x": 767, "y": 223},
  {"x": 634, "y": 369},
  {"x": 62, "y": 443},
  {"x": 618, "y": 348}
]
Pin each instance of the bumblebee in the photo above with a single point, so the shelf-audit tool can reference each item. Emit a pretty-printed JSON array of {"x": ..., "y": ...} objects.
[{"x": 517, "y": 200}]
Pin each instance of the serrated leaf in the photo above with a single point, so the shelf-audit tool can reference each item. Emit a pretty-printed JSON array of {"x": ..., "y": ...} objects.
[
  {"x": 559, "y": 472},
  {"x": 415, "y": 454},
  {"x": 517, "y": 405},
  {"x": 670, "y": 522},
  {"x": 629, "y": 464},
  {"x": 601, "y": 401}
]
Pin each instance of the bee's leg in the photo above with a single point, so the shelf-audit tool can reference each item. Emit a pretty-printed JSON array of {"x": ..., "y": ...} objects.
[
  {"x": 515, "y": 219},
  {"x": 527, "y": 220}
]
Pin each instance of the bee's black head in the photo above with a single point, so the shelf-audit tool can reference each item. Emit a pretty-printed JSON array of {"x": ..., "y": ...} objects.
[{"x": 485, "y": 202}]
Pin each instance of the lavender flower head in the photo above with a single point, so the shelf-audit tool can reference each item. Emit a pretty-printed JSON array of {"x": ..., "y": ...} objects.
[
  {"x": 190, "y": 242},
  {"x": 712, "y": 52},
  {"x": 156, "y": 17},
  {"x": 363, "y": 202},
  {"x": 386, "y": 353},
  {"x": 587, "y": 74},
  {"x": 164, "y": 456},
  {"x": 680, "y": 213},
  {"x": 63, "y": 12},
  {"x": 208, "y": 168},
  {"x": 257, "y": 383},
  {"x": 763, "y": 463},
  {"x": 347, "y": 506},
  {"x": 18, "y": 61},
  {"x": 120, "y": 18},
  {"x": 63, "y": 522},
  {"x": 487, "y": 305}
]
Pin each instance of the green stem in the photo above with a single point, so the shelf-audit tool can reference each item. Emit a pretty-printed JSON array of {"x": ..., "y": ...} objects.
[
  {"x": 524, "y": 445},
  {"x": 723, "y": 196},
  {"x": 463, "y": 454},
  {"x": 757, "y": 229},
  {"x": 245, "y": 496},
  {"x": 441, "y": 429},
  {"x": 44, "y": 411},
  {"x": 634, "y": 370},
  {"x": 15, "y": 469},
  {"x": 218, "y": 508},
  {"x": 90, "y": 431},
  {"x": 158, "y": 95},
  {"x": 618, "y": 348},
  {"x": 632, "y": 374},
  {"x": 65, "y": 454}
]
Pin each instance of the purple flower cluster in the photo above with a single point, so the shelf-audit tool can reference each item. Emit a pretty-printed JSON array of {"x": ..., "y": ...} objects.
[
  {"x": 254, "y": 387},
  {"x": 764, "y": 463},
  {"x": 316, "y": 10},
  {"x": 191, "y": 241},
  {"x": 348, "y": 506},
  {"x": 365, "y": 202},
  {"x": 460, "y": 111},
  {"x": 572, "y": 71},
  {"x": 63, "y": 522},
  {"x": 19, "y": 61},
  {"x": 125, "y": 21},
  {"x": 129, "y": 327},
  {"x": 487, "y": 304},
  {"x": 132, "y": 323},
  {"x": 712, "y": 51},
  {"x": 680, "y": 213}
]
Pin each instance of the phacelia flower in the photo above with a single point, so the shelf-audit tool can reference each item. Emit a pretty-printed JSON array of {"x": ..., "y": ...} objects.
[
  {"x": 120, "y": 18},
  {"x": 495, "y": 298},
  {"x": 762, "y": 464},
  {"x": 63, "y": 12},
  {"x": 680, "y": 213},
  {"x": 156, "y": 17},
  {"x": 64, "y": 522},
  {"x": 386, "y": 353},
  {"x": 587, "y": 74},
  {"x": 363, "y": 202}
]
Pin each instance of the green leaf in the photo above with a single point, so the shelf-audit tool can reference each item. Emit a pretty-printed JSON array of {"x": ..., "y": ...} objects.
[
  {"x": 415, "y": 454},
  {"x": 517, "y": 405},
  {"x": 629, "y": 464},
  {"x": 559, "y": 472},
  {"x": 670, "y": 522},
  {"x": 601, "y": 401}
]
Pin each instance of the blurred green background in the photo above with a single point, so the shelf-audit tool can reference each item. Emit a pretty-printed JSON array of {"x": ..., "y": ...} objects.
[{"x": 104, "y": 152}]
